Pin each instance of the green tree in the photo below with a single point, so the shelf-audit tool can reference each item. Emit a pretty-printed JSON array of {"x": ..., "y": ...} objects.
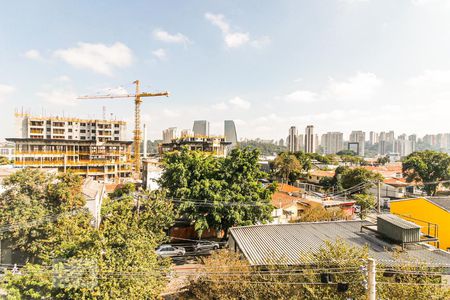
[
  {"x": 218, "y": 192},
  {"x": 67, "y": 257},
  {"x": 318, "y": 214},
  {"x": 365, "y": 202},
  {"x": 4, "y": 161},
  {"x": 427, "y": 167},
  {"x": 286, "y": 165},
  {"x": 350, "y": 177},
  {"x": 383, "y": 160},
  {"x": 346, "y": 153}
]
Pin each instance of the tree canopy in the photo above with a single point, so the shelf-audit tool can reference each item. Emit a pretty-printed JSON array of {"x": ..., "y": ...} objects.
[
  {"x": 346, "y": 178},
  {"x": 218, "y": 192},
  {"x": 66, "y": 257},
  {"x": 427, "y": 167}
]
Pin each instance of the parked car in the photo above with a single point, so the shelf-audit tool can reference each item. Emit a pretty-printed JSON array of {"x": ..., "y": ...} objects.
[
  {"x": 170, "y": 251},
  {"x": 206, "y": 246}
]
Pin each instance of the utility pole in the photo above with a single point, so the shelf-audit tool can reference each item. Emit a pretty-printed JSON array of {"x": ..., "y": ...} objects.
[
  {"x": 379, "y": 196},
  {"x": 372, "y": 284}
]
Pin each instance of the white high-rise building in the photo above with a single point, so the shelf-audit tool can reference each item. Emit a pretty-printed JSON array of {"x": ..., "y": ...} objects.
[
  {"x": 332, "y": 142},
  {"x": 292, "y": 140},
  {"x": 373, "y": 138},
  {"x": 310, "y": 139},
  {"x": 169, "y": 134},
  {"x": 359, "y": 137},
  {"x": 201, "y": 128},
  {"x": 230, "y": 132}
]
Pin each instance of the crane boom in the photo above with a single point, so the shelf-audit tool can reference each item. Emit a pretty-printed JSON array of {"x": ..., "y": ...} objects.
[{"x": 137, "y": 117}]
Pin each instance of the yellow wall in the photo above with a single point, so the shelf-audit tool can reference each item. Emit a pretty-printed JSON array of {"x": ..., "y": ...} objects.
[{"x": 424, "y": 210}]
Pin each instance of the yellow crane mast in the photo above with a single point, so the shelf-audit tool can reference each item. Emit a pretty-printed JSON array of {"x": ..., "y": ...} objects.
[{"x": 137, "y": 117}]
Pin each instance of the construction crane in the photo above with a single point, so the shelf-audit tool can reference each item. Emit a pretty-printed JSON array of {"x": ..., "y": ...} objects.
[{"x": 137, "y": 117}]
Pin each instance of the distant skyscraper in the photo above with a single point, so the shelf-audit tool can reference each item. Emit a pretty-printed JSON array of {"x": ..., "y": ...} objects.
[
  {"x": 201, "y": 128},
  {"x": 332, "y": 142},
  {"x": 360, "y": 138},
  {"x": 230, "y": 132},
  {"x": 402, "y": 137},
  {"x": 310, "y": 139},
  {"x": 390, "y": 136},
  {"x": 169, "y": 134},
  {"x": 301, "y": 142},
  {"x": 373, "y": 138},
  {"x": 281, "y": 143},
  {"x": 186, "y": 133},
  {"x": 292, "y": 140}
]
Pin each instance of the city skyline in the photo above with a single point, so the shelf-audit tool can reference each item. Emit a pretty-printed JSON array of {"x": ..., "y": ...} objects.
[{"x": 310, "y": 65}]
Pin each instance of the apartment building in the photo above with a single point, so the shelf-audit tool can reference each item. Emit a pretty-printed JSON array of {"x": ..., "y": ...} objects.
[
  {"x": 332, "y": 142},
  {"x": 90, "y": 148},
  {"x": 310, "y": 139},
  {"x": 60, "y": 128},
  {"x": 358, "y": 137}
]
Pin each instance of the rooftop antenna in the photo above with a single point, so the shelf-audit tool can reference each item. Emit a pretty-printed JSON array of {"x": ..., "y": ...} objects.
[{"x": 104, "y": 112}]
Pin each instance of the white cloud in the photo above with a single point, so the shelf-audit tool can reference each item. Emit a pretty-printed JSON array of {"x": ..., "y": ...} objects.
[
  {"x": 160, "y": 54},
  {"x": 238, "y": 102},
  {"x": 430, "y": 79},
  {"x": 165, "y": 36},
  {"x": 99, "y": 58},
  {"x": 301, "y": 96},
  {"x": 360, "y": 87},
  {"x": 60, "y": 96},
  {"x": 33, "y": 54},
  {"x": 5, "y": 91},
  {"x": 261, "y": 42},
  {"x": 234, "y": 39}
]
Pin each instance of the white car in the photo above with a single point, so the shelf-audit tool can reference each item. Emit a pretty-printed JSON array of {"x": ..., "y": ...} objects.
[
  {"x": 206, "y": 246},
  {"x": 170, "y": 251}
]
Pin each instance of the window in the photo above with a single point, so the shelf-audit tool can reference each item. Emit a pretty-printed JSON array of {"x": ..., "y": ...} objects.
[
  {"x": 70, "y": 123},
  {"x": 82, "y": 130},
  {"x": 70, "y": 129},
  {"x": 69, "y": 137},
  {"x": 82, "y": 138},
  {"x": 116, "y": 125},
  {"x": 116, "y": 131}
]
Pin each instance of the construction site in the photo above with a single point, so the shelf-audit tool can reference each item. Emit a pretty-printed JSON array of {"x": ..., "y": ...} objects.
[{"x": 94, "y": 148}]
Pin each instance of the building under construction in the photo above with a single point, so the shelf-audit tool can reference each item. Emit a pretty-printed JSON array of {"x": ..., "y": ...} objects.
[{"x": 90, "y": 148}]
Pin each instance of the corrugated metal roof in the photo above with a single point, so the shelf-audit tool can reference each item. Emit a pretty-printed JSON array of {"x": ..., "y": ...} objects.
[
  {"x": 397, "y": 221},
  {"x": 443, "y": 202},
  {"x": 292, "y": 243}
]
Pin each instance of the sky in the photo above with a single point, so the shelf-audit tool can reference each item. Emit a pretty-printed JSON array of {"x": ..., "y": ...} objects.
[{"x": 339, "y": 65}]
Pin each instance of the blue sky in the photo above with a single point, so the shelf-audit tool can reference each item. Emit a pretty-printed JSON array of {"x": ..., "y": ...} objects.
[{"x": 340, "y": 65}]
